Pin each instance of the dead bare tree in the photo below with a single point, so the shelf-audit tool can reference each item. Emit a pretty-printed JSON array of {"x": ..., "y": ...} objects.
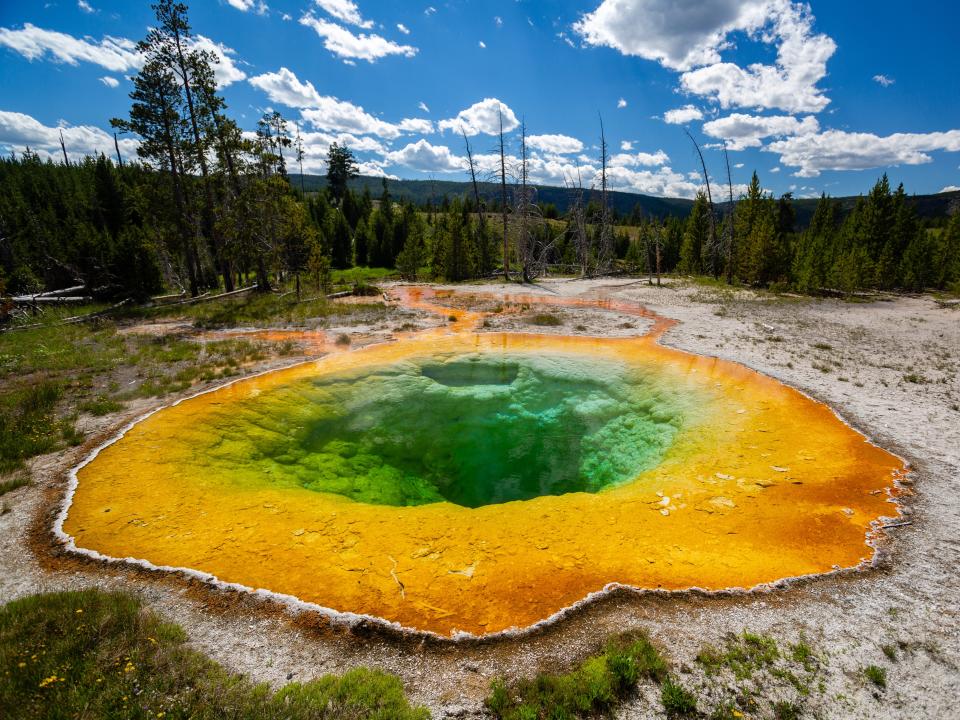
[
  {"x": 578, "y": 224},
  {"x": 503, "y": 201},
  {"x": 116, "y": 146},
  {"x": 605, "y": 245},
  {"x": 66, "y": 160},
  {"x": 731, "y": 217},
  {"x": 534, "y": 241},
  {"x": 713, "y": 219},
  {"x": 472, "y": 166},
  {"x": 298, "y": 146}
]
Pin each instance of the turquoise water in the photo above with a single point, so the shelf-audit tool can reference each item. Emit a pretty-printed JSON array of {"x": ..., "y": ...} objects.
[{"x": 471, "y": 430}]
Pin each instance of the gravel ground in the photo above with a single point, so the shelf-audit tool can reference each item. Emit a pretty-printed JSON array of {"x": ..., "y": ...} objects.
[{"x": 890, "y": 368}]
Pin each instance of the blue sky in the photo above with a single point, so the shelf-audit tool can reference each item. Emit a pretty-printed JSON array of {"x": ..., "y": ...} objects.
[{"x": 816, "y": 98}]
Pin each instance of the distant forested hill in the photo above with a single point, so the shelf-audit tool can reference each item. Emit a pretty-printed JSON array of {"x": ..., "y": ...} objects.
[{"x": 421, "y": 191}]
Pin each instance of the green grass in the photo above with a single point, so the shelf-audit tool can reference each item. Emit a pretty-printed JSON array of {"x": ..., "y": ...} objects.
[
  {"x": 591, "y": 688},
  {"x": 743, "y": 654},
  {"x": 90, "y": 654},
  {"x": 14, "y": 483},
  {"x": 784, "y": 710},
  {"x": 889, "y": 650},
  {"x": 677, "y": 700},
  {"x": 28, "y": 425},
  {"x": 876, "y": 675}
]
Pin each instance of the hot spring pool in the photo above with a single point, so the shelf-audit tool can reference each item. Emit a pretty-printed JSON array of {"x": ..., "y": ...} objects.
[{"x": 455, "y": 481}]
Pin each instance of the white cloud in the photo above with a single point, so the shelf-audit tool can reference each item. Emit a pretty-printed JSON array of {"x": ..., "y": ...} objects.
[
  {"x": 840, "y": 150},
  {"x": 417, "y": 126},
  {"x": 342, "y": 116},
  {"x": 951, "y": 188},
  {"x": 679, "y": 34},
  {"x": 775, "y": 170},
  {"x": 110, "y": 82},
  {"x": 498, "y": 21},
  {"x": 555, "y": 144},
  {"x": 344, "y": 44},
  {"x": 738, "y": 166},
  {"x": 111, "y": 53},
  {"x": 483, "y": 45},
  {"x": 284, "y": 87},
  {"x": 328, "y": 113},
  {"x": 286, "y": 17},
  {"x": 626, "y": 145},
  {"x": 640, "y": 158},
  {"x": 482, "y": 117},
  {"x": 429, "y": 11},
  {"x": 18, "y": 131},
  {"x": 421, "y": 155},
  {"x": 791, "y": 83},
  {"x": 85, "y": 6},
  {"x": 663, "y": 182},
  {"x": 423, "y": 106},
  {"x": 345, "y": 11},
  {"x": 621, "y": 104},
  {"x": 34, "y": 43},
  {"x": 403, "y": 28},
  {"x": 374, "y": 169},
  {"x": 745, "y": 131},
  {"x": 260, "y": 7},
  {"x": 884, "y": 80},
  {"x": 683, "y": 115},
  {"x": 226, "y": 70},
  {"x": 689, "y": 36}
]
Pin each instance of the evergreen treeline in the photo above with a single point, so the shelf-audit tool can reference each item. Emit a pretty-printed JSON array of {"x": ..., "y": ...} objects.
[{"x": 880, "y": 244}]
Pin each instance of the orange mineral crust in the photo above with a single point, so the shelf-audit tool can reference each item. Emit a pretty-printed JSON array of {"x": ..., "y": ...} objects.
[{"x": 288, "y": 482}]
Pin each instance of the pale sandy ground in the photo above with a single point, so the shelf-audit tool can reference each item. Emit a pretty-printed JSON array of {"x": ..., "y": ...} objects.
[{"x": 911, "y": 600}]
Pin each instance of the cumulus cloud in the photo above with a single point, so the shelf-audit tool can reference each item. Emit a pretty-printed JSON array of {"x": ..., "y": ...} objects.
[
  {"x": 403, "y": 28},
  {"x": 839, "y": 150},
  {"x": 682, "y": 115},
  {"x": 626, "y": 145},
  {"x": 555, "y": 144},
  {"x": 225, "y": 70},
  {"x": 790, "y": 84},
  {"x": 679, "y": 34},
  {"x": 111, "y": 53},
  {"x": 325, "y": 112},
  {"x": 284, "y": 87},
  {"x": 421, "y": 155},
  {"x": 85, "y": 6},
  {"x": 621, "y": 104},
  {"x": 345, "y": 11},
  {"x": 345, "y": 44},
  {"x": 482, "y": 117},
  {"x": 258, "y": 6},
  {"x": 110, "y": 82},
  {"x": 34, "y": 43},
  {"x": 423, "y": 106},
  {"x": 19, "y": 131},
  {"x": 951, "y": 188},
  {"x": 883, "y": 80},
  {"x": 640, "y": 158},
  {"x": 745, "y": 131},
  {"x": 689, "y": 35}
]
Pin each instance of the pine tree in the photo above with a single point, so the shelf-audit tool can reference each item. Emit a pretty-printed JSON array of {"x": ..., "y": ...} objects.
[
  {"x": 696, "y": 237},
  {"x": 341, "y": 168},
  {"x": 341, "y": 249}
]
